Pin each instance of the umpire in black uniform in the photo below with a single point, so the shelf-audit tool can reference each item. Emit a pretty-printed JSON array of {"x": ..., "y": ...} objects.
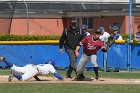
[{"x": 70, "y": 39}]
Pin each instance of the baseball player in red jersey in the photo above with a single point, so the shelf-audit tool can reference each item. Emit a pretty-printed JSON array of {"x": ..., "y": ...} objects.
[{"x": 91, "y": 44}]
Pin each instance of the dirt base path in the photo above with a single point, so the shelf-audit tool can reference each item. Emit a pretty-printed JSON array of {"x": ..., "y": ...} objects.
[{"x": 4, "y": 79}]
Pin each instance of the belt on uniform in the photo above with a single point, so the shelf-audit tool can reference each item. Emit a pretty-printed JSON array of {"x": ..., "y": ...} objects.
[
  {"x": 35, "y": 67},
  {"x": 87, "y": 54}
]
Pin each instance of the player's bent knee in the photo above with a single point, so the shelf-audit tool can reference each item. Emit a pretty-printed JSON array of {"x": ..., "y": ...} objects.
[{"x": 79, "y": 71}]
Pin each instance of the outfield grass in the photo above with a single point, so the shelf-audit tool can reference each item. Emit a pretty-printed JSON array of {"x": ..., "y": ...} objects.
[
  {"x": 123, "y": 75},
  {"x": 75, "y": 87},
  {"x": 68, "y": 88}
]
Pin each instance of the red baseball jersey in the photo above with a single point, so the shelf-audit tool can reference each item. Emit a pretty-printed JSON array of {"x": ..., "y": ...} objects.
[{"x": 90, "y": 46}]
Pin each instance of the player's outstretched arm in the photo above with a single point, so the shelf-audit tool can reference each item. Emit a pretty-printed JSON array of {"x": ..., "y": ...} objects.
[{"x": 58, "y": 76}]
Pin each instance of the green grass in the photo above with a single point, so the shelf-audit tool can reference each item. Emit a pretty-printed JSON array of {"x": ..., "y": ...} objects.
[
  {"x": 75, "y": 87},
  {"x": 67, "y": 88},
  {"x": 125, "y": 75},
  {"x": 4, "y": 72}
]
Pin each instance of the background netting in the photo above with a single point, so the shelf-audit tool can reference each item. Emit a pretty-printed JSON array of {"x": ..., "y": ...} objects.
[{"x": 6, "y": 15}]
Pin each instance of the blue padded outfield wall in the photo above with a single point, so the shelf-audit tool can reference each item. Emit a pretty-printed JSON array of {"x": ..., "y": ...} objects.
[{"x": 22, "y": 54}]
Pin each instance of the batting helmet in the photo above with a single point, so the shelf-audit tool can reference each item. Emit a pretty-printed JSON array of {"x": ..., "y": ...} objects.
[
  {"x": 50, "y": 61},
  {"x": 84, "y": 27},
  {"x": 115, "y": 28},
  {"x": 101, "y": 29}
]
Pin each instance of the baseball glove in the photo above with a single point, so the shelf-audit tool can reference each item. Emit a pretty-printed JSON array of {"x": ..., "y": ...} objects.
[
  {"x": 104, "y": 49},
  {"x": 110, "y": 41}
]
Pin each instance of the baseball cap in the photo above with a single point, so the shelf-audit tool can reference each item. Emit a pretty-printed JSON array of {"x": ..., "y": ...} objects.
[
  {"x": 84, "y": 27},
  {"x": 115, "y": 28},
  {"x": 50, "y": 61},
  {"x": 73, "y": 20},
  {"x": 100, "y": 29}
]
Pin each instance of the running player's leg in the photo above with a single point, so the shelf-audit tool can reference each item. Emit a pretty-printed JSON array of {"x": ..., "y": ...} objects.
[
  {"x": 8, "y": 63},
  {"x": 30, "y": 72},
  {"x": 14, "y": 68},
  {"x": 72, "y": 59},
  {"x": 80, "y": 66},
  {"x": 95, "y": 65}
]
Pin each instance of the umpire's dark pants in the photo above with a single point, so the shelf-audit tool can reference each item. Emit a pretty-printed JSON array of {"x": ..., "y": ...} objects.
[{"x": 72, "y": 59}]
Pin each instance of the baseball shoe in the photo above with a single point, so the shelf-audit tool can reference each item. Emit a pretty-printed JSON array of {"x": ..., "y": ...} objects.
[
  {"x": 97, "y": 78},
  {"x": 10, "y": 76},
  {"x": 80, "y": 77},
  {"x": 2, "y": 58}
]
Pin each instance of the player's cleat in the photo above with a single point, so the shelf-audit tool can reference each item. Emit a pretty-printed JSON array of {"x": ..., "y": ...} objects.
[
  {"x": 2, "y": 58},
  {"x": 80, "y": 77},
  {"x": 97, "y": 78},
  {"x": 10, "y": 77}
]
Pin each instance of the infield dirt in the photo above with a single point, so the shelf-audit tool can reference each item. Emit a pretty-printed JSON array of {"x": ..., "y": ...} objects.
[{"x": 4, "y": 79}]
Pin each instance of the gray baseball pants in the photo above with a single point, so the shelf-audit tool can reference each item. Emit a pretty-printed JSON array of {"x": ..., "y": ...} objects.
[{"x": 83, "y": 61}]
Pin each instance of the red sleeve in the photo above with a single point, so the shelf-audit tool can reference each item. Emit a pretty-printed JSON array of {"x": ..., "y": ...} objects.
[{"x": 101, "y": 44}]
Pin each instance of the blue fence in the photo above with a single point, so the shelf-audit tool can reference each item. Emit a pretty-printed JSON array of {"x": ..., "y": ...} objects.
[{"x": 22, "y": 54}]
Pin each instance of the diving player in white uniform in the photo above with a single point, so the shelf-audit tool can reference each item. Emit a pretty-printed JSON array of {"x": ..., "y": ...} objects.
[{"x": 29, "y": 71}]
